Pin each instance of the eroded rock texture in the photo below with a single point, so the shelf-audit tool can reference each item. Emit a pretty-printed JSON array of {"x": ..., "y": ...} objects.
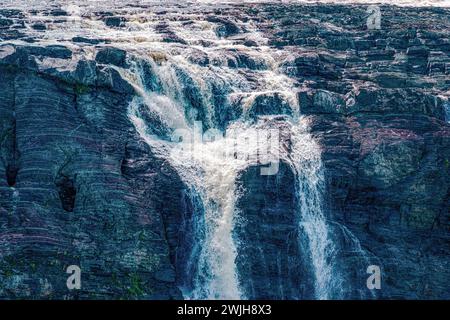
[
  {"x": 377, "y": 105},
  {"x": 75, "y": 187},
  {"x": 79, "y": 186}
]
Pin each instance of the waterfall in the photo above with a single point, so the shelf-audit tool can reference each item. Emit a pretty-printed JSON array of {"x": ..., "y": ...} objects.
[
  {"x": 202, "y": 166},
  {"x": 306, "y": 159},
  {"x": 447, "y": 111},
  {"x": 215, "y": 98},
  {"x": 208, "y": 169},
  {"x": 176, "y": 111}
]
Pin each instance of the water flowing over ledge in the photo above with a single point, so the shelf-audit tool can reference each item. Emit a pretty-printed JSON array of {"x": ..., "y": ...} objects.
[
  {"x": 119, "y": 3},
  {"x": 210, "y": 165},
  {"x": 162, "y": 128}
]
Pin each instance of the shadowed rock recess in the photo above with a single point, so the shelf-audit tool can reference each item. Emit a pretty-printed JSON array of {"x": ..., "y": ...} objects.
[{"x": 89, "y": 98}]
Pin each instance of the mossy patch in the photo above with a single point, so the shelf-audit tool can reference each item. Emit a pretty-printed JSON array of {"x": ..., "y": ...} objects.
[
  {"x": 135, "y": 289},
  {"x": 81, "y": 88}
]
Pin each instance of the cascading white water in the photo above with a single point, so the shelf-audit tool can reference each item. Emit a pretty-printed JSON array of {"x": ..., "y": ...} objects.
[
  {"x": 211, "y": 166},
  {"x": 211, "y": 169},
  {"x": 306, "y": 159},
  {"x": 207, "y": 168},
  {"x": 202, "y": 167}
]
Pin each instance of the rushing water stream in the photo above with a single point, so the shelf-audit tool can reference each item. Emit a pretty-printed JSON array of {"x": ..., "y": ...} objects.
[
  {"x": 210, "y": 162},
  {"x": 221, "y": 92},
  {"x": 205, "y": 103}
]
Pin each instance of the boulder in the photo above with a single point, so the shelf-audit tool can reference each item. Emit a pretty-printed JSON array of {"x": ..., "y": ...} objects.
[{"x": 113, "y": 56}]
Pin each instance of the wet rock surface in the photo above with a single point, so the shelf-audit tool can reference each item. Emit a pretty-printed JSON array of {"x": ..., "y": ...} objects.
[
  {"x": 69, "y": 189},
  {"x": 78, "y": 186},
  {"x": 270, "y": 261}
]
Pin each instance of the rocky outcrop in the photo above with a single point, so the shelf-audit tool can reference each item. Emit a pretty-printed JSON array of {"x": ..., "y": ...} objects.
[
  {"x": 79, "y": 186},
  {"x": 70, "y": 192},
  {"x": 388, "y": 177},
  {"x": 270, "y": 262},
  {"x": 377, "y": 106}
]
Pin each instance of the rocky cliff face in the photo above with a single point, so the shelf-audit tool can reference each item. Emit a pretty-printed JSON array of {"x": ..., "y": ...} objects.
[{"x": 80, "y": 185}]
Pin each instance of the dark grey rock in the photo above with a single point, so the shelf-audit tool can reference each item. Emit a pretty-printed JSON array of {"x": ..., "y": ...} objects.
[
  {"x": 86, "y": 40},
  {"x": 79, "y": 186},
  {"x": 270, "y": 263},
  {"x": 5, "y": 23},
  {"x": 225, "y": 28},
  {"x": 114, "y": 22},
  {"x": 58, "y": 13},
  {"x": 321, "y": 101},
  {"x": 269, "y": 104},
  {"x": 115, "y": 238},
  {"x": 39, "y": 26},
  {"x": 113, "y": 56}
]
